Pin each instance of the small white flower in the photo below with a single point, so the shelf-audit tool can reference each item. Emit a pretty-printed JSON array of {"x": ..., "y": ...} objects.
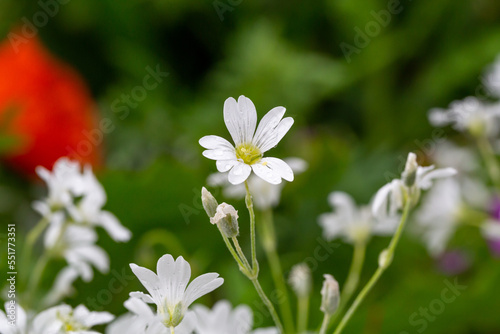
[
  {"x": 265, "y": 195},
  {"x": 438, "y": 215},
  {"x": 169, "y": 289},
  {"x": 76, "y": 244},
  {"x": 63, "y": 285},
  {"x": 391, "y": 197},
  {"x": 142, "y": 319},
  {"x": 300, "y": 279},
  {"x": 469, "y": 114},
  {"x": 223, "y": 319},
  {"x": 353, "y": 224},
  {"x": 250, "y": 144},
  {"x": 80, "y": 194},
  {"x": 63, "y": 319}
]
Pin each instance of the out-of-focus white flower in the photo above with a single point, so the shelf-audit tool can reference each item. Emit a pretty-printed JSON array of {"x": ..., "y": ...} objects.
[
  {"x": 491, "y": 79},
  {"x": 469, "y": 114},
  {"x": 250, "y": 144},
  {"x": 223, "y": 319},
  {"x": 80, "y": 194},
  {"x": 63, "y": 319},
  {"x": 353, "y": 224},
  {"x": 300, "y": 279},
  {"x": 330, "y": 295},
  {"x": 63, "y": 285},
  {"x": 169, "y": 289},
  {"x": 14, "y": 313},
  {"x": 437, "y": 217},
  {"x": 391, "y": 197},
  {"x": 142, "y": 319},
  {"x": 265, "y": 195},
  {"x": 76, "y": 244}
]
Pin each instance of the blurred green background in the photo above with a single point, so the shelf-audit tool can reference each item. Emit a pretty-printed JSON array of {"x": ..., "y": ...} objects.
[{"x": 353, "y": 123}]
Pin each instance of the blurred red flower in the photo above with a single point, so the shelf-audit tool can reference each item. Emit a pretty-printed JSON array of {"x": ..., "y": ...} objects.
[{"x": 45, "y": 104}]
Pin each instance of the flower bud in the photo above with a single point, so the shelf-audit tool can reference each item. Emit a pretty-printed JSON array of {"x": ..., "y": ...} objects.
[
  {"x": 385, "y": 259},
  {"x": 410, "y": 172},
  {"x": 330, "y": 295},
  {"x": 226, "y": 218},
  {"x": 300, "y": 279},
  {"x": 209, "y": 202}
]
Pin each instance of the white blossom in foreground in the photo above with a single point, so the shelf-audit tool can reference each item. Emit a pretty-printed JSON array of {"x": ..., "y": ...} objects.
[
  {"x": 142, "y": 319},
  {"x": 63, "y": 319},
  {"x": 223, "y": 319},
  {"x": 265, "y": 195},
  {"x": 80, "y": 194},
  {"x": 247, "y": 154},
  {"x": 351, "y": 223},
  {"x": 169, "y": 288},
  {"x": 438, "y": 216},
  {"x": 469, "y": 114},
  {"x": 391, "y": 198}
]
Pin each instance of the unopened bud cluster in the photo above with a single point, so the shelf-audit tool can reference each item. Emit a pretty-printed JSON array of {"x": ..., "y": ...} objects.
[{"x": 330, "y": 295}]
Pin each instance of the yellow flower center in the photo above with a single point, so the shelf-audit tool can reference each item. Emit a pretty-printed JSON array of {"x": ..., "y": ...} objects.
[{"x": 249, "y": 153}]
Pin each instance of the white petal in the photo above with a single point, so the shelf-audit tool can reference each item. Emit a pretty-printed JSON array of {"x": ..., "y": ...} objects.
[
  {"x": 266, "y": 173},
  {"x": 215, "y": 142},
  {"x": 278, "y": 133},
  {"x": 298, "y": 165},
  {"x": 138, "y": 306},
  {"x": 142, "y": 296},
  {"x": 200, "y": 286},
  {"x": 220, "y": 154},
  {"x": 112, "y": 225},
  {"x": 240, "y": 119},
  {"x": 272, "y": 129},
  {"x": 279, "y": 167},
  {"x": 426, "y": 179},
  {"x": 239, "y": 173},
  {"x": 491, "y": 229},
  {"x": 343, "y": 204},
  {"x": 379, "y": 205},
  {"x": 150, "y": 281},
  {"x": 333, "y": 227},
  {"x": 242, "y": 319},
  {"x": 225, "y": 165}
]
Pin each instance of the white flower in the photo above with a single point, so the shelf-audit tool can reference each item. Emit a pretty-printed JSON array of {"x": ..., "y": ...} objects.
[
  {"x": 470, "y": 115},
  {"x": 353, "y": 224},
  {"x": 438, "y": 215},
  {"x": 391, "y": 197},
  {"x": 142, "y": 319},
  {"x": 265, "y": 195},
  {"x": 14, "y": 320},
  {"x": 64, "y": 319},
  {"x": 169, "y": 289},
  {"x": 222, "y": 319},
  {"x": 80, "y": 194},
  {"x": 63, "y": 285},
  {"x": 300, "y": 279},
  {"x": 250, "y": 144},
  {"x": 76, "y": 244}
]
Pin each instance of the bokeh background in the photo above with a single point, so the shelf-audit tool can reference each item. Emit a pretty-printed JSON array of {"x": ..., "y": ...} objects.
[{"x": 355, "y": 121}]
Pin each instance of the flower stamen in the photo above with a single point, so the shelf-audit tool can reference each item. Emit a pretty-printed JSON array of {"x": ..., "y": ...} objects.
[{"x": 248, "y": 153}]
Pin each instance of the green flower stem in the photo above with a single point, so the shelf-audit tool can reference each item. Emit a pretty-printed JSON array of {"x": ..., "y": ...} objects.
[
  {"x": 31, "y": 239},
  {"x": 36, "y": 275},
  {"x": 380, "y": 270},
  {"x": 352, "y": 280},
  {"x": 324, "y": 325},
  {"x": 268, "y": 304},
  {"x": 243, "y": 265},
  {"x": 489, "y": 159},
  {"x": 240, "y": 253},
  {"x": 172, "y": 330},
  {"x": 249, "y": 204},
  {"x": 302, "y": 313},
  {"x": 269, "y": 244}
]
